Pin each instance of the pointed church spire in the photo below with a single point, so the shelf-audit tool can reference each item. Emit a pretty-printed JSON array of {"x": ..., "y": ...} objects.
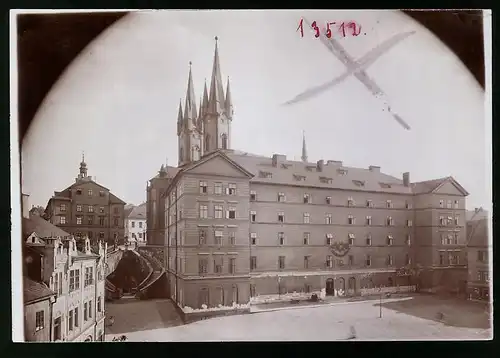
[
  {"x": 190, "y": 106},
  {"x": 229, "y": 101},
  {"x": 179, "y": 118},
  {"x": 204, "y": 103},
  {"x": 216, "y": 99},
  {"x": 304, "y": 149}
]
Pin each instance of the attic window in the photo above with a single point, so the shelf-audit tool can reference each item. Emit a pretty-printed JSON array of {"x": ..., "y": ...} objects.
[
  {"x": 78, "y": 191},
  {"x": 285, "y": 166},
  {"x": 325, "y": 180},
  {"x": 263, "y": 174},
  {"x": 358, "y": 183},
  {"x": 385, "y": 185},
  {"x": 101, "y": 193},
  {"x": 342, "y": 171},
  {"x": 299, "y": 177}
]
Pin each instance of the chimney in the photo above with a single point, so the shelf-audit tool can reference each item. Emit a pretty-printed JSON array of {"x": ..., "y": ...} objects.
[
  {"x": 25, "y": 207},
  {"x": 374, "y": 168},
  {"x": 278, "y": 159},
  {"x": 406, "y": 179},
  {"x": 319, "y": 165},
  {"x": 334, "y": 162}
]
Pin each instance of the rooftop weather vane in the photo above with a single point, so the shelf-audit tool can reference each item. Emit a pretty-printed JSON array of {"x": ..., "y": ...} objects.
[{"x": 357, "y": 69}]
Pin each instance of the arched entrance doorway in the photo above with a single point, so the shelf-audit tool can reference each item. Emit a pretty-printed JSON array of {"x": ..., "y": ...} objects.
[
  {"x": 330, "y": 290},
  {"x": 352, "y": 286},
  {"x": 340, "y": 286}
]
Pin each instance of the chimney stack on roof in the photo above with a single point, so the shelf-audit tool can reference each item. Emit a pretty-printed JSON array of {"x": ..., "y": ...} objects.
[
  {"x": 406, "y": 179},
  {"x": 320, "y": 165},
  {"x": 278, "y": 159},
  {"x": 334, "y": 162}
]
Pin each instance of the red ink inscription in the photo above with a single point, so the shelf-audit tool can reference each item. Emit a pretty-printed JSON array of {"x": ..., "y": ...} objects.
[
  {"x": 316, "y": 29},
  {"x": 301, "y": 27},
  {"x": 353, "y": 26},
  {"x": 343, "y": 28}
]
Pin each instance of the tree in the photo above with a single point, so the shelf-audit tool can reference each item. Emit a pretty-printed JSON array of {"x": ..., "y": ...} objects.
[{"x": 413, "y": 273}]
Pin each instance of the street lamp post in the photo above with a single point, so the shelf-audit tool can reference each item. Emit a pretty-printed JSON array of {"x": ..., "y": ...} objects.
[
  {"x": 279, "y": 287},
  {"x": 380, "y": 303}
]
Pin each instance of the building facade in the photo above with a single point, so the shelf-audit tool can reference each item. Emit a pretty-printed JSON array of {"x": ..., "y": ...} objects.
[
  {"x": 135, "y": 224},
  {"x": 155, "y": 204},
  {"x": 74, "y": 273},
  {"x": 479, "y": 254},
  {"x": 38, "y": 300},
  {"x": 242, "y": 225},
  {"x": 87, "y": 209}
]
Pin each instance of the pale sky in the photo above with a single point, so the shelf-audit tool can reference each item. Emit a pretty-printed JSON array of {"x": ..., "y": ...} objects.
[{"x": 118, "y": 101}]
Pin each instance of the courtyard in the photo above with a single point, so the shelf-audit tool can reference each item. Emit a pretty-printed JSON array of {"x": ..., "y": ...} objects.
[{"x": 407, "y": 318}]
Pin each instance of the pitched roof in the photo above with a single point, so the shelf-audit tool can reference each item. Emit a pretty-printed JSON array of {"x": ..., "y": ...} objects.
[
  {"x": 114, "y": 199},
  {"x": 477, "y": 233},
  {"x": 137, "y": 212},
  {"x": 171, "y": 172},
  {"x": 41, "y": 227},
  {"x": 478, "y": 214},
  {"x": 34, "y": 291},
  {"x": 333, "y": 174},
  {"x": 429, "y": 186}
]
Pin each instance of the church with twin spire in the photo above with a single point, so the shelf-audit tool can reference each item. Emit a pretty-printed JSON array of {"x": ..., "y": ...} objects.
[{"x": 208, "y": 128}]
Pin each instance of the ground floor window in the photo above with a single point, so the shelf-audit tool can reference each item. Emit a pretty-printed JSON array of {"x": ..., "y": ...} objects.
[
  {"x": 203, "y": 297},
  {"x": 252, "y": 290}
]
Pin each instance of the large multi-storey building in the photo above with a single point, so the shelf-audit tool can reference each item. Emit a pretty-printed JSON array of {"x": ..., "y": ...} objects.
[
  {"x": 241, "y": 225},
  {"x": 86, "y": 208},
  {"x": 479, "y": 253},
  {"x": 75, "y": 274}
]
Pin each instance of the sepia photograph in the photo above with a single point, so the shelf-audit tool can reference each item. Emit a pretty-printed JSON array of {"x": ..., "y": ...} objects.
[{"x": 251, "y": 175}]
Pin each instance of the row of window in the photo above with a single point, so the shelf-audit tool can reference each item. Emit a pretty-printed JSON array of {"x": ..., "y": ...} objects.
[
  {"x": 448, "y": 221},
  {"x": 351, "y": 220},
  {"x": 329, "y": 239},
  {"x": 449, "y": 239},
  {"x": 132, "y": 224},
  {"x": 449, "y": 204},
  {"x": 90, "y": 208},
  {"x": 306, "y": 218},
  {"x": 73, "y": 317},
  {"x": 231, "y": 238},
  {"x": 218, "y": 265},
  {"x": 330, "y": 262},
  {"x": 90, "y": 234},
  {"x": 74, "y": 278},
  {"x": 90, "y": 220},
  {"x": 483, "y": 276},
  {"x": 134, "y": 236},
  {"x": 218, "y": 188},
  {"x": 448, "y": 258},
  {"x": 90, "y": 192}
]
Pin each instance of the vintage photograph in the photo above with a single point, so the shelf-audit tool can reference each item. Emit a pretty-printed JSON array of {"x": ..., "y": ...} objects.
[{"x": 284, "y": 175}]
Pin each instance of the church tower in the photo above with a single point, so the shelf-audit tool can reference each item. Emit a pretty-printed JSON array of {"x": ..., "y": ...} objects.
[
  {"x": 217, "y": 111},
  {"x": 188, "y": 127}
]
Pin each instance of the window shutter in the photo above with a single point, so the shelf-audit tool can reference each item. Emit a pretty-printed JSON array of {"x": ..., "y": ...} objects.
[{"x": 227, "y": 214}]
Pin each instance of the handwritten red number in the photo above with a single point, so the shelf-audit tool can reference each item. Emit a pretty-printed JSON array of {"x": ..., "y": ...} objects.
[
  {"x": 316, "y": 28},
  {"x": 342, "y": 28},
  {"x": 353, "y": 26},
  {"x": 301, "y": 28},
  {"x": 328, "y": 30}
]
